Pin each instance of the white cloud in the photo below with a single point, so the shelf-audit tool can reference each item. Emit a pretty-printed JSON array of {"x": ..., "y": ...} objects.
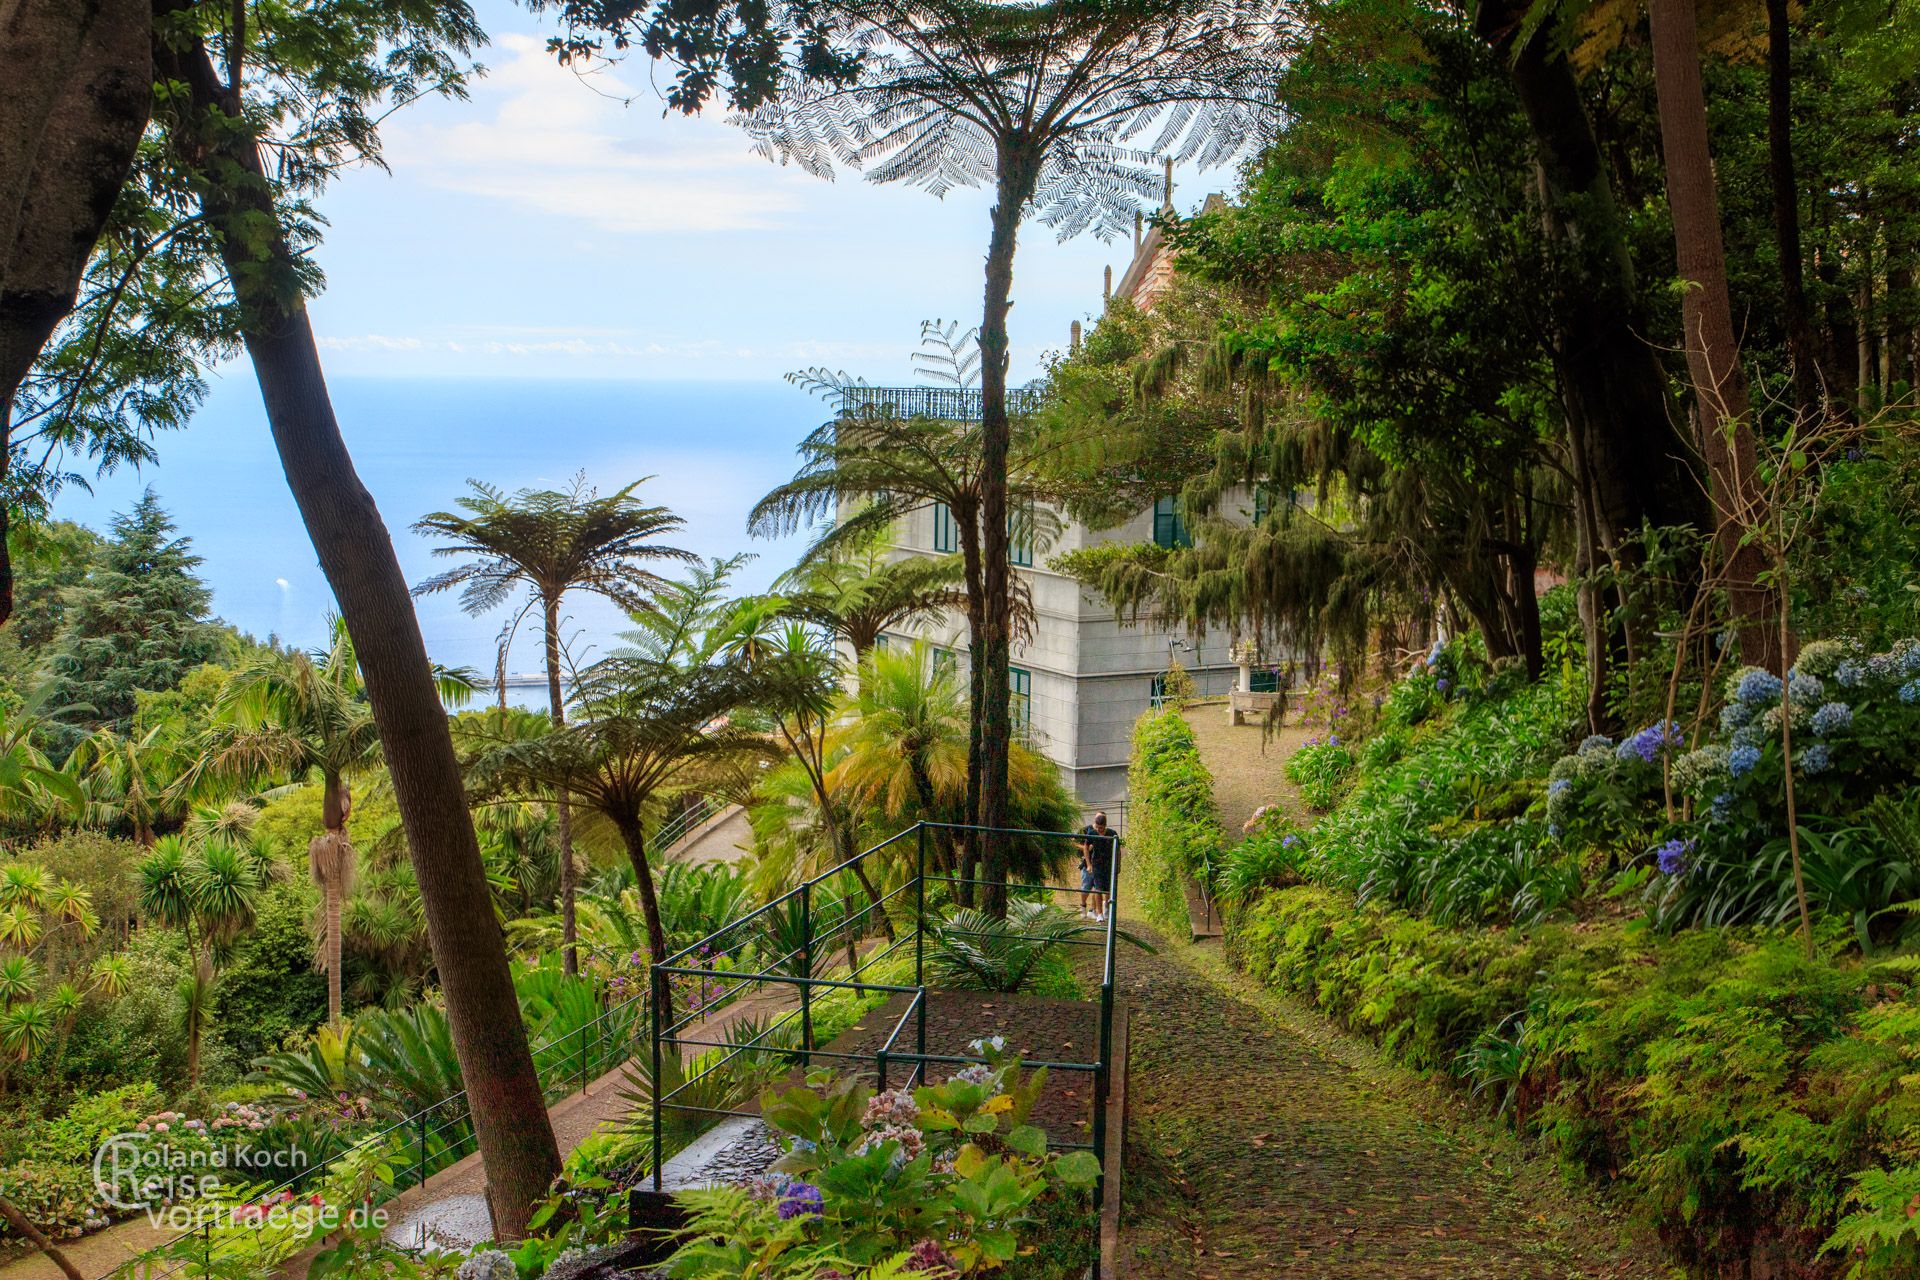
[{"x": 566, "y": 144}]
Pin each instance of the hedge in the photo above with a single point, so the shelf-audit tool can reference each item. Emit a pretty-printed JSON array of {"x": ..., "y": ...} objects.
[
  {"x": 1759, "y": 1109},
  {"x": 1175, "y": 830}
]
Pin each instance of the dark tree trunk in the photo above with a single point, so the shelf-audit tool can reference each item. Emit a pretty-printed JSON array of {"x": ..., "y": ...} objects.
[
  {"x": 1713, "y": 352},
  {"x": 1018, "y": 171},
  {"x": 635, "y": 838},
  {"x": 563, "y": 812},
  {"x": 967, "y": 518},
  {"x": 1631, "y": 464},
  {"x": 24, "y": 1227},
  {"x": 356, "y": 553},
  {"x": 1801, "y": 345},
  {"x": 74, "y": 101}
]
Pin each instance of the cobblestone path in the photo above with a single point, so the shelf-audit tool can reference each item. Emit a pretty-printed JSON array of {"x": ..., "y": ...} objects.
[{"x": 1265, "y": 1143}]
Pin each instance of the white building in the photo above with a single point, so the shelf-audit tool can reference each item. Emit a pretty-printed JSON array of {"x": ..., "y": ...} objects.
[{"x": 1082, "y": 679}]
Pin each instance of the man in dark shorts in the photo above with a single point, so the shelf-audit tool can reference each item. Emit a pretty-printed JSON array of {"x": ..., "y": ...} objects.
[{"x": 1098, "y": 843}]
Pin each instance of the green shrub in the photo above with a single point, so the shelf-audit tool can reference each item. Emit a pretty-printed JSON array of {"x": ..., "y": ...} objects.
[
  {"x": 76, "y": 1135},
  {"x": 1176, "y": 833},
  {"x": 1321, "y": 770},
  {"x": 56, "y": 1197},
  {"x": 1737, "y": 1094},
  {"x": 270, "y": 988}
]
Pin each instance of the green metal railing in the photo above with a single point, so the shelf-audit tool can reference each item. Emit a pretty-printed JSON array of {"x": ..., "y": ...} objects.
[{"x": 804, "y": 982}]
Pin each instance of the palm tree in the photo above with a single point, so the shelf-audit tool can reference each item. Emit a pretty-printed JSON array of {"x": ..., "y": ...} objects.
[
  {"x": 298, "y": 717},
  {"x": 211, "y": 895},
  {"x": 552, "y": 541},
  {"x": 127, "y": 778},
  {"x": 903, "y": 741},
  {"x": 803, "y": 715},
  {"x": 862, "y": 593},
  {"x": 647, "y": 724},
  {"x": 868, "y": 468},
  {"x": 32, "y": 791}
]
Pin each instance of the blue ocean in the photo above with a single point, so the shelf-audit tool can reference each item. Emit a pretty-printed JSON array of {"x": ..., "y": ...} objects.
[{"x": 712, "y": 448}]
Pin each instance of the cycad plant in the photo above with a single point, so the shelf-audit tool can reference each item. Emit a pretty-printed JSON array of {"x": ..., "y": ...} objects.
[{"x": 979, "y": 951}]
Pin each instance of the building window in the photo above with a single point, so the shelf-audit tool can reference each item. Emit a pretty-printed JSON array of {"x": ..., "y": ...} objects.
[
  {"x": 945, "y": 536},
  {"x": 882, "y": 642},
  {"x": 943, "y": 660},
  {"x": 1262, "y": 503},
  {"x": 1157, "y": 691},
  {"x": 1169, "y": 530},
  {"x": 1263, "y": 680},
  {"x": 1020, "y": 537},
  {"x": 1020, "y": 703}
]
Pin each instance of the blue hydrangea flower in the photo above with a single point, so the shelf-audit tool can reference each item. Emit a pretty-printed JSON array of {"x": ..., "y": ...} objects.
[
  {"x": 1814, "y": 759},
  {"x": 1742, "y": 759},
  {"x": 1850, "y": 674},
  {"x": 1832, "y": 717},
  {"x": 1723, "y": 806},
  {"x": 1673, "y": 856},
  {"x": 1752, "y": 735},
  {"x": 801, "y": 1200},
  {"x": 1559, "y": 786},
  {"x": 1906, "y": 657},
  {"x": 1433, "y": 654},
  {"x": 1598, "y": 742},
  {"x": 1650, "y": 742},
  {"x": 1807, "y": 688},
  {"x": 1910, "y": 692},
  {"x": 1736, "y": 715},
  {"x": 1757, "y": 686}
]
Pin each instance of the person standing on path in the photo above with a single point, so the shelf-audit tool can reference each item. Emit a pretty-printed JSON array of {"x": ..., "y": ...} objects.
[{"x": 1099, "y": 851}]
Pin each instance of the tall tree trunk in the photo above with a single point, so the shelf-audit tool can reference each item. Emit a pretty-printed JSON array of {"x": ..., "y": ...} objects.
[
  {"x": 356, "y": 553},
  {"x": 1631, "y": 464},
  {"x": 1017, "y": 173},
  {"x": 967, "y": 518},
  {"x": 634, "y": 836},
  {"x": 563, "y": 812},
  {"x": 1801, "y": 344},
  {"x": 73, "y": 103},
  {"x": 331, "y": 862},
  {"x": 1713, "y": 352}
]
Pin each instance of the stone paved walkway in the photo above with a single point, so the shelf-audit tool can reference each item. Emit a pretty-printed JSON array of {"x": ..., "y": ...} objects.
[{"x": 1263, "y": 1143}]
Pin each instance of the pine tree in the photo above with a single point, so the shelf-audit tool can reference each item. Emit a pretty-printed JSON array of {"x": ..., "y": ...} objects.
[{"x": 138, "y": 621}]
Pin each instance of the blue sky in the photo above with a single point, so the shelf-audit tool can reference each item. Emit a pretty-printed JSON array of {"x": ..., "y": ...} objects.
[
  {"x": 548, "y": 227},
  {"x": 553, "y": 277}
]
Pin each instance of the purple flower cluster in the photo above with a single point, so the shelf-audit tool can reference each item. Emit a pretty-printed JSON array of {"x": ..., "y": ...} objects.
[
  {"x": 800, "y": 1200},
  {"x": 1672, "y": 856},
  {"x": 1652, "y": 742},
  {"x": 929, "y": 1259}
]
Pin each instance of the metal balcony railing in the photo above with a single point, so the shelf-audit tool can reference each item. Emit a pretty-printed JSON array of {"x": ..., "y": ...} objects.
[{"x": 949, "y": 404}]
